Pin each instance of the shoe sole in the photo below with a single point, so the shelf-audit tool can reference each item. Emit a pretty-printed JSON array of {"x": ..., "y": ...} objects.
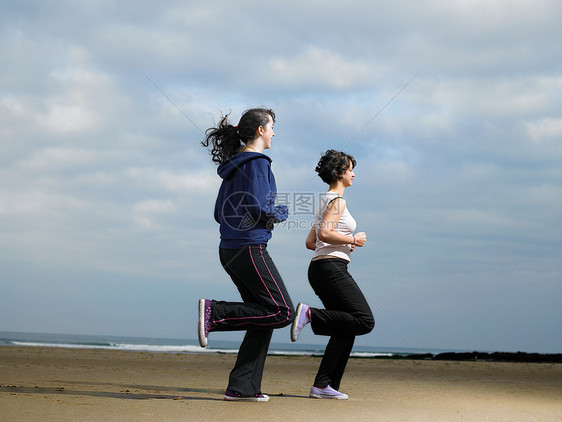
[
  {"x": 247, "y": 399},
  {"x": 294, "y": 335},
  {"x": 202, "y": 338}
]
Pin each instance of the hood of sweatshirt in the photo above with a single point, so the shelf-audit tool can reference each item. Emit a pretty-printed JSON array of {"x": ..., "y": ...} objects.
[{"x": 229, "y": 167}]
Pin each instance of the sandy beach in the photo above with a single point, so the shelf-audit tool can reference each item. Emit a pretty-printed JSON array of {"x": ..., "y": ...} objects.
[{"x": 59, "y": 384}]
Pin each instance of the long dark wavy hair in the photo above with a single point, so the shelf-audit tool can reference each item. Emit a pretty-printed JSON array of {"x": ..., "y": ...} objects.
[
  {"x": 333, "y": 164},
  {"x": 227, "y": 140}
]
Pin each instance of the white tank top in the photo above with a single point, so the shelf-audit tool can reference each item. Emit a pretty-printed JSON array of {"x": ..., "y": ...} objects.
[{"x": 346, "y": 225}]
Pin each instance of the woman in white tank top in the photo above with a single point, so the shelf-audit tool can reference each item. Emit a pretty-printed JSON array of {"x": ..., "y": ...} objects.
[{"x": 346, "y": 313}]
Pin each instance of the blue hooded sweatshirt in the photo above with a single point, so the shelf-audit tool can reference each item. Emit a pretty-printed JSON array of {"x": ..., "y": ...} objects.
[{"x": 245, "y": 206}]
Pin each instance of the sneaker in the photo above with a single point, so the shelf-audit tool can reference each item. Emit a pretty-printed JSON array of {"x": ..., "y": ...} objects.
[
  {"x": 204, "y": 321},
  {"x": 230, "y": 395},
  {"x": 327, "y": 393},
  {"x": 302, "y": 318}
]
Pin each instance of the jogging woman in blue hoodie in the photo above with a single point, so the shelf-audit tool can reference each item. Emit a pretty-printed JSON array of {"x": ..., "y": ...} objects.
[{"x": 246, "y": 211}]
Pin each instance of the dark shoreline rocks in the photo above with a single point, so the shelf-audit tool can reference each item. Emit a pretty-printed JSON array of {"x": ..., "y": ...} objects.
[{"x": 488, "y": 357}]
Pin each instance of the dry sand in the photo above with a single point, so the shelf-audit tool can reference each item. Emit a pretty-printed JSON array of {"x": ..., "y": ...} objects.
[{"x": 51, "y": 384}]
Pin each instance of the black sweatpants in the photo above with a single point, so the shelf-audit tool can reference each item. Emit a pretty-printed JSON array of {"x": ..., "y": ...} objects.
[
  {"x": 346, "y": 315},
  {"x": 266, "y": 305}
]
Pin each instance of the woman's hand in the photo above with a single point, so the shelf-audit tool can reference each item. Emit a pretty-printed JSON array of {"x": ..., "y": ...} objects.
[
  {"x": 311, "y": 239},
  {"x": 360, "y": 239}
]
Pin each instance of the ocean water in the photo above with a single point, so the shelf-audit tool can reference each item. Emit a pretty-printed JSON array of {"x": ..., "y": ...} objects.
[{"x": 165, "y": 345}]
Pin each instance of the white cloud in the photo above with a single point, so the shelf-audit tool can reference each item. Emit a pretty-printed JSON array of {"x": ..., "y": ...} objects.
[
  {"x": 12, "y": 105},
  {"x": 546, "y": 131},
  {"x": 146, "y": 211},
  {"x": 68, "y": 119},
  {"x": 201, "y": 181},
  {"x": 154, "y": 206},
  {"x": 316, "y": 67},
  {"x": 57, "y": 159},
  {"x": 493, "y": 97}
]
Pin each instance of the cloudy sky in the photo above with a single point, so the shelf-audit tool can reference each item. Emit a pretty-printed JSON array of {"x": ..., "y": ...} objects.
[{"x": 452, "y": 108}]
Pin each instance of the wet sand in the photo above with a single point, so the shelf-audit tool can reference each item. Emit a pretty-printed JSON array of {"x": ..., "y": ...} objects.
[{"x": 105, "y": 385}]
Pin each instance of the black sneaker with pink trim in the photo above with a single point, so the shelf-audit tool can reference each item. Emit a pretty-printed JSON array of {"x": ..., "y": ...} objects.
[
  {"x": 204, "y": 321},
  {"x": 230, "y": 395}
]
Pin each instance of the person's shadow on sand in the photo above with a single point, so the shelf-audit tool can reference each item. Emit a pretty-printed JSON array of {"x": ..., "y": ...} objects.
[{"x": 127, "y": 393}]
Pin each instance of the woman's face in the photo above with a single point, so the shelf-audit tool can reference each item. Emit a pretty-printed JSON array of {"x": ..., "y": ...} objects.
[
  {"x": 268, "y": 134},
  {"x": 348, "y": 176}
]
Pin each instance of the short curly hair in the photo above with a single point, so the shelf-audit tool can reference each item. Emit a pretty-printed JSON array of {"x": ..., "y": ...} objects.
[{"x": 333, "y": 164}]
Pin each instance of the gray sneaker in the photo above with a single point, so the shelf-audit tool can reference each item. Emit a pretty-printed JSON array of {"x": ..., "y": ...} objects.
[
  {"x": 327, "y": 393},
  {"x": 302, "y": 318}
]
